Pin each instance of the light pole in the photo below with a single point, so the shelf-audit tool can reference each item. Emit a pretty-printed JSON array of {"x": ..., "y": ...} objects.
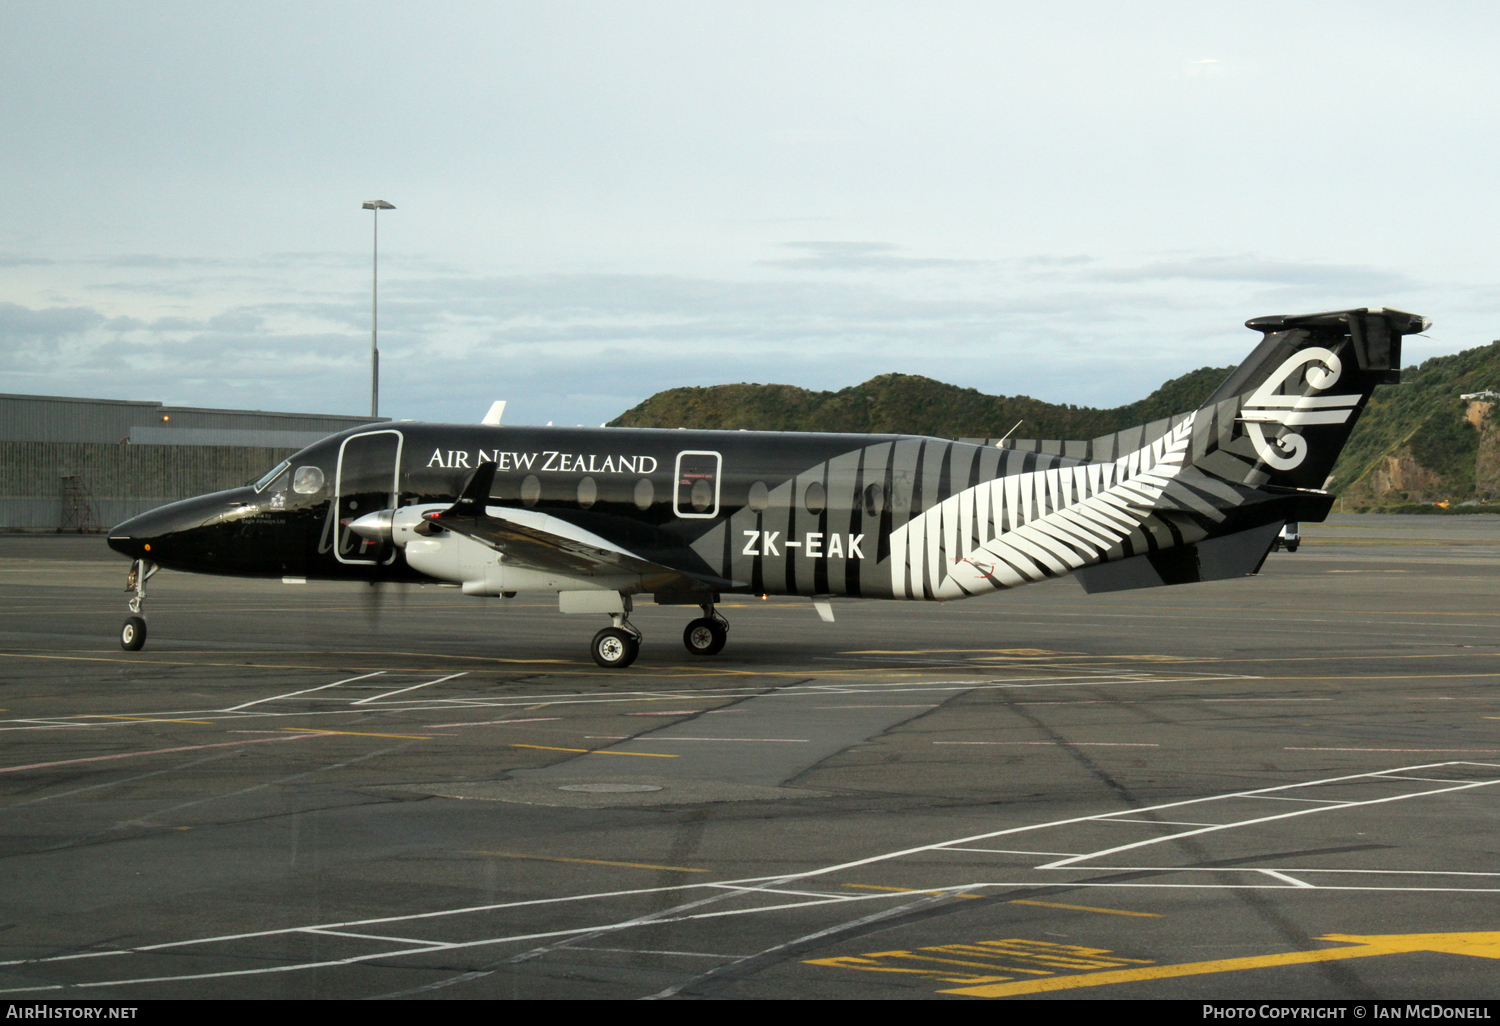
[{"x": 377, "y": 206}]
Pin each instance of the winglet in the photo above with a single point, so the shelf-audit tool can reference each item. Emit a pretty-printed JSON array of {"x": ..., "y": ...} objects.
[
  {"x": 472, "y": 500},
  {"x": 497, "y": 410}
]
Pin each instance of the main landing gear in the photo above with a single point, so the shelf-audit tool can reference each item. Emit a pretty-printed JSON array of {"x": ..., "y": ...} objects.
[
  {"x": 616, "y": 647},
  {"x": 706, "y": 635},
  {"x": 133, "y": 633}
]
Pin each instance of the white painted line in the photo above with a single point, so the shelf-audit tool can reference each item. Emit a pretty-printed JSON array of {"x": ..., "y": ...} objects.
[
  {"x": 1152, "y": 822},
  {"x": 733, "y": 889},
  {"x": 1283, "y": 877},
  {"x": 1476, "y": 751},
  {"x": 373, "y": 937},
  {"x": 1284, "y": 798},
  {"x": 645, "y": 951},
  {"x": 1011, "y": 851},
  {"x": 402, "y": 691},
  {"x": 781, "y": 890},
  {"x": 1430, "y": 780},
  {"x": 305, "y": 691},
  {"x": 1254, "y": 822},
  {"x": 491, "y": 723}
]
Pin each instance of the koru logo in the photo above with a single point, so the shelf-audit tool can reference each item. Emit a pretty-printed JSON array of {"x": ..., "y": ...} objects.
[{"x": 1265, "y": 406}]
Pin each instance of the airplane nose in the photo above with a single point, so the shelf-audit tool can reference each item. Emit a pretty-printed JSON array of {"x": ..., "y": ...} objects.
[{"x": 157, "y": 534}]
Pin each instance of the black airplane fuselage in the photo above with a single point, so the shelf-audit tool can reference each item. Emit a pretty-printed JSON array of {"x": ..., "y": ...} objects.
[{"x": 820, "y": 507}]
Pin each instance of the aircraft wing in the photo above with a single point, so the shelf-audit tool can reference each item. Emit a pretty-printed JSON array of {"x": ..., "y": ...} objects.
[{"x": 538, "y": 541}]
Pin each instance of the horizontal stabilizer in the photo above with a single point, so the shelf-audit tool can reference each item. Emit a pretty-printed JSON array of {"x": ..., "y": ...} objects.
[{"x": 1213, "y": 559}]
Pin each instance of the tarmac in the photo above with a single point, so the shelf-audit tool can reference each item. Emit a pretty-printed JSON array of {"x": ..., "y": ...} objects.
[{"x": 1282, "y": 787}]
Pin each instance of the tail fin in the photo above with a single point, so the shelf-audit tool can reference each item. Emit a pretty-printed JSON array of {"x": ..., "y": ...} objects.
[
  {"x": 1263, "y": 445},
  {"x": 1282, "y": 418}
]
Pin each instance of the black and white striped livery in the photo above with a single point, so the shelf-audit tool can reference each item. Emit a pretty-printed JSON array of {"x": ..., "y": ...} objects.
[{"x": 604, "y": 516}]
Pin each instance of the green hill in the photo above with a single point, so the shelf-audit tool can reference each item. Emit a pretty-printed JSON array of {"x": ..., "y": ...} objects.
[
  {"x": 1417, "y": 442},
  {"x": 908, "y": 404}
]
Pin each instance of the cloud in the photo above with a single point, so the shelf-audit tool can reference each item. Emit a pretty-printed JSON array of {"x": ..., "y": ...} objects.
[
  {"x": 1339, "y": 277},
  {"x": 861, "y": 256}
]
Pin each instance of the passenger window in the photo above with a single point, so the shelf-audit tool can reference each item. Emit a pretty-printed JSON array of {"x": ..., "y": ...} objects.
[
  {"x": 760, "y": 496},
  {"x": 531, "y": 490},
  {"x": 815, "y": 498},
  {"x": 588, "y": 492},
  {"x": 645, "y": 493},
  {"x": 307, "y": 480},
  {"x": 874, "y": 500}
]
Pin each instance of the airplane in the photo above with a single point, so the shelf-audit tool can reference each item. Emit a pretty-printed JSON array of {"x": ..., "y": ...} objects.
[{"x": 603, "y": 516}]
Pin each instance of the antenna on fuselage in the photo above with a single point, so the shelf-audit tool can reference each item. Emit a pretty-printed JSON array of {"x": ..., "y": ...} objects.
[
  {"x": 1010, "y": 432},
  {"x": 497, "y": 410}
]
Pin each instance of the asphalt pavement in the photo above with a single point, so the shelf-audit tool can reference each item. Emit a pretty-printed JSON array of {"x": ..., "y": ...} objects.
[{"x": 1279, "y": 786}]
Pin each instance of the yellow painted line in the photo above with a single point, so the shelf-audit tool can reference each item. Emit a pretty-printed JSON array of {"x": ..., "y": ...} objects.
[
  {"x": 1483, "y": 945},
  {"x": 1084, "y": 908},
  {"x": 590, "y": 862},
  {"x": 908, "y": 890},
  {"x": 142, "y": 719},
  {"x": 355, "y": 733},
  {"x": 597, "y": 751}
]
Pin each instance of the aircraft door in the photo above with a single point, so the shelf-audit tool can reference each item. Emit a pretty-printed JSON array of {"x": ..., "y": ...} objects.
[
  {"x": 697, "y": 489},
  {"x": 368, "y": 480}
]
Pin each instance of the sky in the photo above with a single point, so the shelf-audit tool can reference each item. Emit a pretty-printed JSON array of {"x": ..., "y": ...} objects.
[{"x": 596, "y": 201}]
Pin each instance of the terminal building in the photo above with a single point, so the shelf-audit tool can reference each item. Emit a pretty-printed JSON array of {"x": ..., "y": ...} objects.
[{"x": 87, "y": 464}]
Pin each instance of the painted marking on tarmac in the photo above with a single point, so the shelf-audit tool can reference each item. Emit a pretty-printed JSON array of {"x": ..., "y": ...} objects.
[
  {"x": 589, "y": 862},
  {"x": 150, "y": 719},
  {"x": 356, "y": 733},
  {"x": 414, "y": 687},
  {"x": 787, "y": 740},
  {"x": 1471, "y": 751},
  {"x": 136, "y": 755},
  {"x": 304, "y": 691},
  {"x": 801, "y": 689},
  {"x": 1057, "y": 744},
  {"x": 491, "y": 723},
  {"x": 599, "y": 751},
  {"x": 907, "y": 890},
  {"x": 997, "y": 960},
  {"x": 1084, "y": 908},
  {"x": 1481, "y": 945},
  {"x": 691, "y": 909}
]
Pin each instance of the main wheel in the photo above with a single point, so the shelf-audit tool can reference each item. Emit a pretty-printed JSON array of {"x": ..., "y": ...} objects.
[
  {"x": 614, "y": 648},
  {"x": 704, "y": 636},
  {"x": 1291, "y": 546},
  {"x": 133, "y": 634}
]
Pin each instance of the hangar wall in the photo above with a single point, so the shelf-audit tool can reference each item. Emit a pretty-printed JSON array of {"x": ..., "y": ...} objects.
[{"x": 70, "y": 464}]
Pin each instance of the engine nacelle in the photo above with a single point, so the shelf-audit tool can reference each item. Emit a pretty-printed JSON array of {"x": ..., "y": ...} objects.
[{"x": 480, "y": 570}]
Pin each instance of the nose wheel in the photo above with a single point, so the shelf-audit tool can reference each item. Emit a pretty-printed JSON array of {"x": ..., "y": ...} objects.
[
  {"x": 706, "y": 635},
  {"x": 133, "y": 632}
]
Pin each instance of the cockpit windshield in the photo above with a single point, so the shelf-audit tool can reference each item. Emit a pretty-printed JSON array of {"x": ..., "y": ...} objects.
[{"x": 272, "y": 474}]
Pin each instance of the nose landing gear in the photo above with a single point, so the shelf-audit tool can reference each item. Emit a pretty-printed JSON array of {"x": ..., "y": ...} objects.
[
  {"x": 133, "y": 633},
  {"x": 706, "y": 635}
]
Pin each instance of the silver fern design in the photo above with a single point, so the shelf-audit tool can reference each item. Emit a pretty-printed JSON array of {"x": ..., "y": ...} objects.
[
  {"x": 1267, "y": 405},
  {"x": 1026, "y": 527}
]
